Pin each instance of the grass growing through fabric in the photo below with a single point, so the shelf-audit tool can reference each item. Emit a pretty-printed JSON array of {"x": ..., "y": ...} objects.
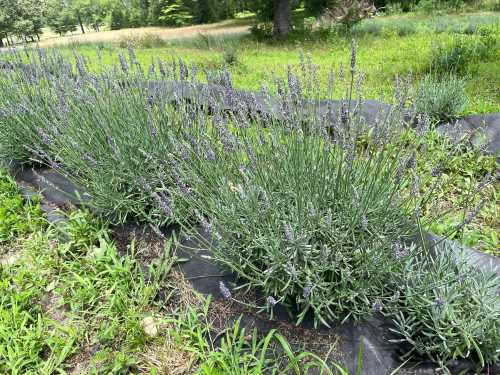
[{"x": 76, "y": 304}]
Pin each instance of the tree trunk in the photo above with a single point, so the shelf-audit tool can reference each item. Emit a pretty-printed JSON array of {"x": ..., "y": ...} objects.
[
  {"x": 282, "y": 18},
  {"x": 80, "y": 22}
]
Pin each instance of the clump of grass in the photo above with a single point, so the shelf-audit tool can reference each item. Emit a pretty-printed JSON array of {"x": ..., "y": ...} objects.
[
  {"x": 230, "y": 55},
  {"x": 463, "y": 53},
  {"x": 441, "y": 98}
]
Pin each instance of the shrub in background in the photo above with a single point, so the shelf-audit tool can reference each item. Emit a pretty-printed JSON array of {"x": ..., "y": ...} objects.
[
  {"x": 230, "y": 55},
  {"x": 446, "y": 309},
  {"x": 463, "y": 53},
  {"x": 441, "y": 98}
]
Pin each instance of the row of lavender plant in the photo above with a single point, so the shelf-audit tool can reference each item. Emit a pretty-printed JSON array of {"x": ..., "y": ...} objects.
[{"x": 307, "y": 201}]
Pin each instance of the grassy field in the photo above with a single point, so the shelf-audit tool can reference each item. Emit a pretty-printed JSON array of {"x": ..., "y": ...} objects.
[
  {"x": 231, "y": 27},
  {"x": 386, "y": 47}
]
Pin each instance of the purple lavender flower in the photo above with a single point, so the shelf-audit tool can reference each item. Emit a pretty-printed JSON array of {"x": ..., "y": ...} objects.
[
  {"x": 44, "y": 136},
  {"x": 289, "y": 236},
  {"x": 437, "y": 171},
  {"x": 294, "y": 85},
  {"x": 344, "y": 114},
  {"x": 183, "y": 70},
  {"x": 399, "y": 249},
  {"x": 80, "y": 66},
  {"x": 411, "y": 162},
  {"x": 209, "y": 154},
  {"x": 439, "y": 301},
  {"x": 472, "y": 215},
  {"x": 306, "y": 292},
  {"x": 226, "y": 293},
  {"x": 123, "y": 63},
  {"x": 271, "y": 301},
  {"x": 164, "y": 203},
  {"x": 163, "y": 70},
  {"x": 131, "y": 54},
  {"x": 377, "y": 306},
  {"x": 206, "y": 225}
]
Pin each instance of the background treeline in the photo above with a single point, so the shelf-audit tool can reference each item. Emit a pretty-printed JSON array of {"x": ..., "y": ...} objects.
[{"x": 24, "y": 20}]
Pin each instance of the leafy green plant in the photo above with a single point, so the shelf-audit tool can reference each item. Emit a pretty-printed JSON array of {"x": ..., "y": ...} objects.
[
  {"x": 442, "y": 98},
  {"x": 446, "y": 309},
  {"x": 81, "y": 231},
  {"x": 29, "y": 340},
  {"x": 17, "y": 216}
]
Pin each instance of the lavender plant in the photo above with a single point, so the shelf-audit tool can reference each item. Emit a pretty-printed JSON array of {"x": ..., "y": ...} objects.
[
  {"x": 101, "y": 131},
  {"x": 315, "y": 213},
  {"x": 446, "y": 309}
]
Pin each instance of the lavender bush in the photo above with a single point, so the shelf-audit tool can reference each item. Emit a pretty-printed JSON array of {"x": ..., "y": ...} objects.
[
  {"x": 101, "y": 131},
  {"x": 317, "y": 214},
  {"x": 304, "y": 199},
  {"x": 446, "y": 309}
]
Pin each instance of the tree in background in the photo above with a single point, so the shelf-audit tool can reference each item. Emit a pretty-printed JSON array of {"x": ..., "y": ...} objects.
[
  {"x": 280, "y": 11},
  {"x": 21, "y": 18},
  {"x": 176, "y": 14},
  {"x": 60, "y": 17},
  {"x": 5, "y": 25}
]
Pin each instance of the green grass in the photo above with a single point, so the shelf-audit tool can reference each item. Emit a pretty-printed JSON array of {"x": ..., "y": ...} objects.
[
  {"x": 69, "y": 299},
  {"x": 382, "y": 54},
  {"x": 16, "y": 216}
]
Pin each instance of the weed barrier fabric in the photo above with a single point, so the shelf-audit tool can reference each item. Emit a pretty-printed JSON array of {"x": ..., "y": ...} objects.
[
  {"x": 369, "y": 338},
  {"x": 482, "y": 130}
]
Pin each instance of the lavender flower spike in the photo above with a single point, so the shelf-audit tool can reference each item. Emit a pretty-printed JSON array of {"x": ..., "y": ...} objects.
[
  {"x": 226, "y": 293},
  {"x": 271, "y": 301}
]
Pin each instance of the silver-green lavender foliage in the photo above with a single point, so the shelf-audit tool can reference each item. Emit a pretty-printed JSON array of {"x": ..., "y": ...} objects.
[
  {"x": 441, "y": 98},
  {"x": 102, "y": 131},
  {"x": 446, "y": 309}
]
